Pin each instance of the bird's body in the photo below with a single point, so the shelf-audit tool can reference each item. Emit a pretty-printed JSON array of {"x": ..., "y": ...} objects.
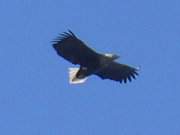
[{"x": 103, "y": 65}]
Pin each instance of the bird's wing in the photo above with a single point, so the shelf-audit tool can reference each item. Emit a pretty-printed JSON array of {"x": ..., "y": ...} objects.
[
  {"x": 74, "y": 50},
  {"x": 118, "y": 72}
]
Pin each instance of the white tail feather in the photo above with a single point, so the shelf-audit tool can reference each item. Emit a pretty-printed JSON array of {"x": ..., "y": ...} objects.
[{"x": 72, "y": 76}]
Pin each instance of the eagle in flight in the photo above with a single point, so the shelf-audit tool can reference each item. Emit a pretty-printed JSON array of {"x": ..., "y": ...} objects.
[{"x": 71, "y": 48}]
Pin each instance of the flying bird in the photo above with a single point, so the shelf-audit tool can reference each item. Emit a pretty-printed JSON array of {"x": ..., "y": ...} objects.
[{"x": 74, "y": 50}]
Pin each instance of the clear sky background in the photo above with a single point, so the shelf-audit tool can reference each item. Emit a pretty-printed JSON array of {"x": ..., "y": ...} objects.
[{"x": 35, "y": 96}]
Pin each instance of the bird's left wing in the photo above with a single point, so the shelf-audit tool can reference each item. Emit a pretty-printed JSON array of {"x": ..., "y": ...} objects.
[
  {"x": 74, "y": 50},
  {"x": 118, "y": 72}
]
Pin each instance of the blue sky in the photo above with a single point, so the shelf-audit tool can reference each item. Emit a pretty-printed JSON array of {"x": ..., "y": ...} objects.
[{"x": 35, "y": 97}]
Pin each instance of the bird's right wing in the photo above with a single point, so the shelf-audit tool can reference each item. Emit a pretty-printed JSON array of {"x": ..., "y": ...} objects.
[
  {"x": 118, "y": 72},
  {"x": 74, "y": 50}
]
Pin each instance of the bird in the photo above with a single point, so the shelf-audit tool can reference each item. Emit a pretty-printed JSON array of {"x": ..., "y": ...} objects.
[{"x": 91, "y": 62}]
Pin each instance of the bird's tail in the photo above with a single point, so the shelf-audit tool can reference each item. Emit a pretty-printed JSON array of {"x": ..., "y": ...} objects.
[{"x": 72, "y": 76}]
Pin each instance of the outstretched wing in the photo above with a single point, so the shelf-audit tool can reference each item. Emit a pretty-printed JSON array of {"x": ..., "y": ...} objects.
[
  {"x": 118, "y": 72},
  {"x": 74, "y": 50}
]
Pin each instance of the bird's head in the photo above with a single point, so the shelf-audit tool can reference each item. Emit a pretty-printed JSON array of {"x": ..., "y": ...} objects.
[{"x": 112, "y": 56}]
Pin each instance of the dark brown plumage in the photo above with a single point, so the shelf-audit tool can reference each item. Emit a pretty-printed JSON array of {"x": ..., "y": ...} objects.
[{"x": 76, "y": 51}]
